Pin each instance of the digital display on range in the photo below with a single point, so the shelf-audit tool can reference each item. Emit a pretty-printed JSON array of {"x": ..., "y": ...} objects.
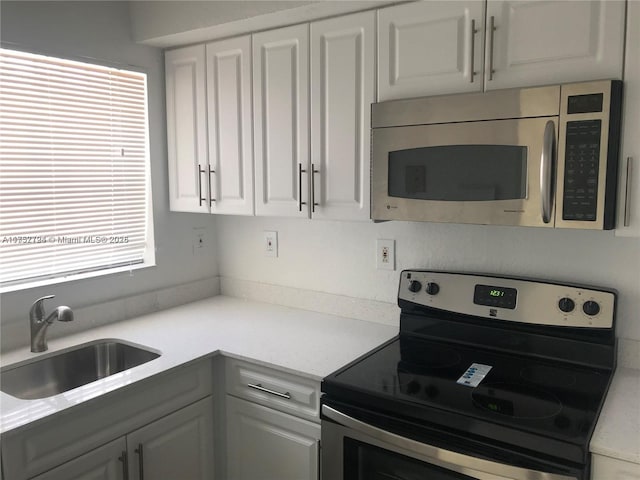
[{"x": 495, "y": 296}]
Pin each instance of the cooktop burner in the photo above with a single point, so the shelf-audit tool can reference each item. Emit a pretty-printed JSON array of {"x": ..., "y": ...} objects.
[
  {"x": 516, "y": 400},
  {"x": 429, "y": 356},
  {"x": 548, "y": 375}
]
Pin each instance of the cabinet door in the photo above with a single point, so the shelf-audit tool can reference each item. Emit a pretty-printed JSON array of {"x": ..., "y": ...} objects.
[
  {"x": 281, "y": 121},
  {"x": 230, "y": 177},
  {"x": 342, "y": 90},
  {"x": 186, "y": 129},
  {"x": 179, "y": 445},
  {"x": 430, "y": 48},
  {"x": 104, "y": 463},
  {"x": 269, "y": 445},
  {"x": 629, "y": 199},
  {"x": 537, "y": 43}
]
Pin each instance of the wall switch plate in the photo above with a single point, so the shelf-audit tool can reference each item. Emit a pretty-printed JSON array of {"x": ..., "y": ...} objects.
[
  {"x": 385, "y": 254},
  {"x": 271, "y": 244}
]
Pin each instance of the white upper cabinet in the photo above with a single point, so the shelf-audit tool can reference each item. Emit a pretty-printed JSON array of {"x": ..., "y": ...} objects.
[
  {"x": 186, "y": 129},
  {"x": 342, "y": 90},
  {"x": 629, "y": 183},
  {"x": 542, "y": 42},
  {"x": 230, "y": 171},
  {"x": 430, "y": 48},
  {"x": 281, "y": 121}
]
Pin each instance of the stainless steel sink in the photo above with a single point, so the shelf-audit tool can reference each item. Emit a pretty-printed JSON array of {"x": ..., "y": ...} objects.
[{"x": 73, "y": 368}]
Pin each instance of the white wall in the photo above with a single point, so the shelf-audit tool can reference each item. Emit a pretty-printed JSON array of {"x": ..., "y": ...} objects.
[
  {"x": 339, "y": 257},
  {"x": 169, "y": 23},
  {"x": 155, "y": 19},
  {"x": 100, "y": 31}
]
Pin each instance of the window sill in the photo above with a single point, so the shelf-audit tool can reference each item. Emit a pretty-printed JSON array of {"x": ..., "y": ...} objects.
[{"x": 75, "y": 277}]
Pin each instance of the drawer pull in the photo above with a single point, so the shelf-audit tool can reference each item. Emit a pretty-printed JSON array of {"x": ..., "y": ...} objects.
[{"x": 259, "y": 387}]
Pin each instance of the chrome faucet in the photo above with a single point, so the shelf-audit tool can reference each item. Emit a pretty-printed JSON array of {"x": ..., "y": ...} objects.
[{"x": 39, "y": 324}]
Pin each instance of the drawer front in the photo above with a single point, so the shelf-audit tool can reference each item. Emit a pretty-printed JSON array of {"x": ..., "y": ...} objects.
[
  {"x": 274, "y": 388},
  {"x": 50, "y": 442}
]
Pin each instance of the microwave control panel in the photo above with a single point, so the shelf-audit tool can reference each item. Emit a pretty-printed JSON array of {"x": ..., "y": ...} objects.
[
  {"x": 588, "y": 150},
  {"x": 582, "y": 157}
]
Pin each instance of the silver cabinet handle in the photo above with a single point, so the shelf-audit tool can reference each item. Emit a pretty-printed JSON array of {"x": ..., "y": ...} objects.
[
  {"x": 200, "y": 172},
  {"x": 627, "y": 194},
  {"x": 492, "y": 29},
  {"x": 546, "y": 170},
  {"x": 140, "y": 453},
  {"x": 313, "y": 188},
  {"x": 455, "y": 461},
  {"x": 211, "y": 199},
  {"x": 125, "y": 465},
  {"x": 259, "y": 387},
  {"x": 300, "y": 172},
  {"x": 474, "y": 30}
]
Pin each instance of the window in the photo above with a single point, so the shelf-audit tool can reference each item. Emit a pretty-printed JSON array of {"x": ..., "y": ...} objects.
[{"x": 75, "y": 194}]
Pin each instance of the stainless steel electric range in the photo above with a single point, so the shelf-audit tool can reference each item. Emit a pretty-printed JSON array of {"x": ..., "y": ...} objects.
[{"x": 489, "y": 378}]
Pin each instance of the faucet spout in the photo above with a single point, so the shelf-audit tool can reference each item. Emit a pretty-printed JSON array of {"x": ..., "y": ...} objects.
[{"x": 39, "y": 323}]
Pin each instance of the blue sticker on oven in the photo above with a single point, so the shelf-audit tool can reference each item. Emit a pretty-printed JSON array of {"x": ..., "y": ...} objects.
[{"x": 474, "y": 375}]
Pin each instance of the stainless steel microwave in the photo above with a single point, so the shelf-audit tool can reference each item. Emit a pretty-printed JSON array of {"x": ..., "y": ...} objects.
[{"x": 541, "y": 156}]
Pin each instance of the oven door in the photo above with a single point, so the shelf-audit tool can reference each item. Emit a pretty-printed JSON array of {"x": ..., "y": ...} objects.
[
  {"x": 354, "y": 450},
  {"x": 497, "y": 172}
]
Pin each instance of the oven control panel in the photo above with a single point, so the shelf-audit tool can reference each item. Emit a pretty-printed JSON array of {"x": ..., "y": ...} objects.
[{"x": 504, "y": 298}]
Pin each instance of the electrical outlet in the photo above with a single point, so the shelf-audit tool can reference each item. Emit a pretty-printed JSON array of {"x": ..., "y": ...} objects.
[
  {"x": 199, "y": 240},
  {"x": 385, "y": 254},
  {"x": 271, "y": 244}
]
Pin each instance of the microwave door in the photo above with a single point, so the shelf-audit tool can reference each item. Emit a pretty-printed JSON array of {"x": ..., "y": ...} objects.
[{"x": 491, "y": 172}]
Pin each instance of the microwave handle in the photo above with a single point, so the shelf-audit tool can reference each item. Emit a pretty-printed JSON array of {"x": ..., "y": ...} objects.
[{"x": 547, "y": 166}]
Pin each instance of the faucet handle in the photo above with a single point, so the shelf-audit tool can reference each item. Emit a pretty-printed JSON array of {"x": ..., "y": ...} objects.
[{"x": 37, "y": 310}]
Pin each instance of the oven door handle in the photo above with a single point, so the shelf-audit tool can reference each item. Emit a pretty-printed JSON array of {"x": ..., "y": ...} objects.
[{"x": 454, "y": 461}]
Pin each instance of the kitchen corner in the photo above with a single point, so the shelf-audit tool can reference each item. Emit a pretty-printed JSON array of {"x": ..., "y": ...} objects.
[{"x": 307, "y": 343}]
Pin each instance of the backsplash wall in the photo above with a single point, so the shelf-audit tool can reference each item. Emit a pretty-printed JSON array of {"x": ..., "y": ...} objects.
[{"x": 339, "y": 257}]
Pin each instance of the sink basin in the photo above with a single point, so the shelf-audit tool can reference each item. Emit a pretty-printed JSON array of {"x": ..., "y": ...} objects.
[{"x": 72, "y": 368}]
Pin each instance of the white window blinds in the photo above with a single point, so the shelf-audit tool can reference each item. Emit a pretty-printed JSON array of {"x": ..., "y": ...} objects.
[{"x": 74, "y": 168}]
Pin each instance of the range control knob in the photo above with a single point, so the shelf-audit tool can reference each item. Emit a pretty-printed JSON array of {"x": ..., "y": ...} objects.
[
  {"x": 591, "y": 308},
  {"x": 566, "y": 305},
  {"x": 415, "y": 286},
  {"x": 432, "y": 288}
]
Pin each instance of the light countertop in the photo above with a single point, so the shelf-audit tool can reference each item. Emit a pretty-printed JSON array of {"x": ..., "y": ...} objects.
[
  {"x": 307, "y": 343},
  {"x": 617, "y": 433}
]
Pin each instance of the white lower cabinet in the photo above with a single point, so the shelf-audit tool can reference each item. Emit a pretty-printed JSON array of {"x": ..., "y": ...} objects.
[
  {"x": 272, "y": 424},
  {"x": 607, "y": 468},
  {"x": 105, "y": 463},
  {"x": 156, "y": 429},
  {"x": 265, "y": 444},
  {"x": 178, "y": 446}
]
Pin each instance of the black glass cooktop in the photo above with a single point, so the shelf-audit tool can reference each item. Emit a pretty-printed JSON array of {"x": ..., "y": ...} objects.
[{"x": 418, "y": 378}]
